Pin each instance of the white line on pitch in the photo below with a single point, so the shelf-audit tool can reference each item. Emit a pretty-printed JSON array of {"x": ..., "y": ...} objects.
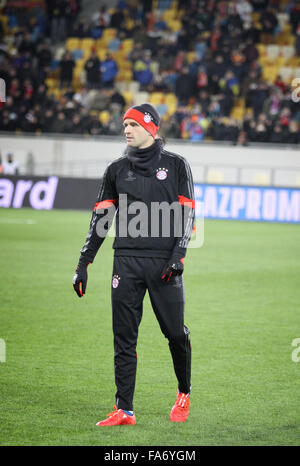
[{"x": 28, "y": 221}]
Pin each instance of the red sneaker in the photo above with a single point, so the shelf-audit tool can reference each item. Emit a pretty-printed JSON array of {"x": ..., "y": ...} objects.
[
  {"x": 180, "y": 410},
  {"x": 117, "y": 418}
]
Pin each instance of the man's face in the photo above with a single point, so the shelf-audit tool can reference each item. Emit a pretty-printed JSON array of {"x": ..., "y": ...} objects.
[{"x": 136, "y": 135}]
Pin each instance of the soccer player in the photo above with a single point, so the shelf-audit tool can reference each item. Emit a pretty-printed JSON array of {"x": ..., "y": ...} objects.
[{"x": 144, "y": 177}]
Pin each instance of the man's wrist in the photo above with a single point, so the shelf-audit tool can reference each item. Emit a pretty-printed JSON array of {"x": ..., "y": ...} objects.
[
  {"x": 84, "y": 262},
  {"x": 177, "y": 255}
]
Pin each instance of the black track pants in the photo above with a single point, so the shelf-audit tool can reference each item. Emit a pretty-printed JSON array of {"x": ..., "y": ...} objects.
[{"x": 132, "y": 276}]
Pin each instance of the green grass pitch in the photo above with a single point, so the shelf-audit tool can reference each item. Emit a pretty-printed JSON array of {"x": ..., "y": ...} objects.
[{"x": 242, "y": 308}]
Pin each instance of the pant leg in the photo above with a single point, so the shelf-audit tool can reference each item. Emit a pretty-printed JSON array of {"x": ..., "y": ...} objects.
[
  {"x": 128, "y": 291},
  {"x": 168, "y": 301}
]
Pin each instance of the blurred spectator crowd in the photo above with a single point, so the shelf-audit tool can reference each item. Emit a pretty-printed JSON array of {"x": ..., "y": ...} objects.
[{"x": 202, "y": 63}]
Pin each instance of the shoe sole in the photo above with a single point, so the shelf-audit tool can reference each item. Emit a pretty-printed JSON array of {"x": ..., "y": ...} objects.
[{"x": 113, "y": 425}]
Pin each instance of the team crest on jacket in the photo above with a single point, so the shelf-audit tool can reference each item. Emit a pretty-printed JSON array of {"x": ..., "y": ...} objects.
[
  {"x": 161, "y": 173},
  {"x": 115, "y": 281}
]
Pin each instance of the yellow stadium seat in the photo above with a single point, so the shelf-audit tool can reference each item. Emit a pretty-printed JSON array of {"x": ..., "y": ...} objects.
[
  {"x": 169, "y": 15},
  {"x": 128, "y": 96},
  {"x": 171, "y": 102},
  {"x": 264, "y": 60},
  {"x": 56, "y": 92},
  {"x": 190, "y": 57},
  {"x": 100, "y": 44},
  {"x": 119, "y": 55},
  {"x": 171, "y": 108},
  {"x": 80, "y": 63},
  {"x": 170, "y": 97},
  {"x": 109, "y": 32},
  {"x": 104, "y": 117},
  {"x": 51, "y": 83},
  {"x": 280, "y": 61},
  {"x": 156, "y": 98},
  {"x": 77, "y": 85},
  {"x": 175, "y": 25},
  {"x": 106, "y": 41},
  {"x": 124, "y": 75},
  {"x": 291, "y": 40},
  {"x": 293, "y": 61},
  {"x": 120, "y": 76},
  {"x": 237, "y": 113},
  {"x": 129, "y": 24},
  {"x": 128, "y": 75},
  {"x": 102, "y": 54},
  {"x": 261, "y": 49},
  {"x": 4, "y": 20},
  {"x": 88, "y": 43},
  {"x": 165, "y": 117},
  {"x": 124, "y": 65},
  {"x": 281, "y": 38},
  {"x": 118, "y": 58},
  {"x": 127, "y": 44},
  {"x": 77, "y": 73},
  {"x": 287, "y": 28},
  {"x": 86, "y": 54},
  {"x": 270, "y": 73},
  {"x": 73, "y": 43}
]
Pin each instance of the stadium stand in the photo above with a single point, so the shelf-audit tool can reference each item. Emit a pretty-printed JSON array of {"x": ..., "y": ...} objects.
[{"x": 216, "y": 70}]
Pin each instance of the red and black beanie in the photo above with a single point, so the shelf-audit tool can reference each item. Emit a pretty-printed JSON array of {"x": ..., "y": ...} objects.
[{"x": 146, "y": 115}]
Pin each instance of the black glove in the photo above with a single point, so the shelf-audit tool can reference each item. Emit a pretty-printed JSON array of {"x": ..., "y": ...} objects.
[
  {"x": 173, "y": 268},
  {"x": 80, "y": 278}
]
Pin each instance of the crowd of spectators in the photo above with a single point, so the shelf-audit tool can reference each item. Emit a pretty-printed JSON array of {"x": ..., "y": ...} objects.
[{"x": 208, "y": 64}]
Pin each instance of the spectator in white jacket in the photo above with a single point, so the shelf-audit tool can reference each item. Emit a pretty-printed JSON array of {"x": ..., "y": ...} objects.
[
  {"x": 10, "y": 167},
  {"x": 244, "y": 9}
]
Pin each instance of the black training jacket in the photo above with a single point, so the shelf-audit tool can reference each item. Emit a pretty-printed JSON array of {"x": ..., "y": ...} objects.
[{"x": 140, "y": 230}]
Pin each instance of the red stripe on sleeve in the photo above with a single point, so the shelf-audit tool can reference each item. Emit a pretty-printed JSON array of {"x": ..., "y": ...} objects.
[
  {"x": 186, "y": 201},
  {"x": 105, "y": 204}
]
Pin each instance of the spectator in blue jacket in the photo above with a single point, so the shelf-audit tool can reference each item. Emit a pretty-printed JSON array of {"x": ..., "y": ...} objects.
[
  {"x": 142, "y": 70},
  {"x": 109, "y": 70}
]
